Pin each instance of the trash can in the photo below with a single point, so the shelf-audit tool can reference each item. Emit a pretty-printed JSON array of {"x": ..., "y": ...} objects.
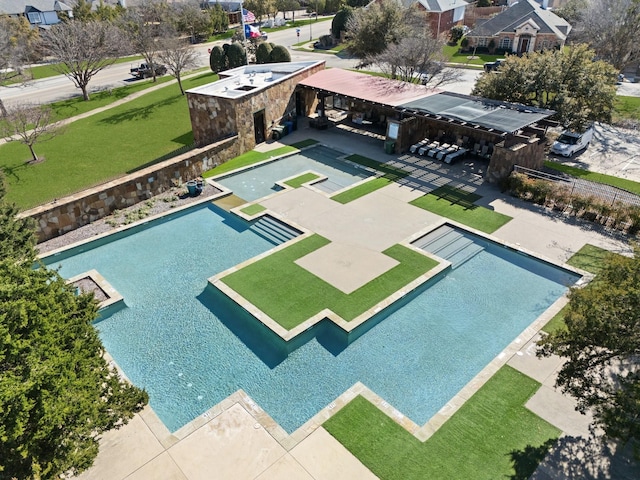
[
  {"x": 389, "y": 146},
  {"x": 289, "y": 126}
]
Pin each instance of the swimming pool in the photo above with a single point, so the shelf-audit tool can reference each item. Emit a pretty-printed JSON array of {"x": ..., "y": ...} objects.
[
  {"x": 190, "y": 346},
  {"x": 255, "y": 183}
]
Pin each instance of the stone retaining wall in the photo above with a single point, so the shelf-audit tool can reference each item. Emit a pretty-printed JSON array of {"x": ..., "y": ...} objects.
[{"x": 66, "y": 214}]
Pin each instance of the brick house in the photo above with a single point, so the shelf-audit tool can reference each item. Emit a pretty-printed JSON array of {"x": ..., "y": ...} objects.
[
  {"x": 521, "y": 28},
  {"x": 442, "y": 15}
]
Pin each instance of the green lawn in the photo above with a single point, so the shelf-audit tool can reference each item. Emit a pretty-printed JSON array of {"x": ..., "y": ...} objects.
[
  {"x": 589, "y": 258},
  {"x": 253, "y": 209},
  {"x": 289, "y": 294},
  {"x": 101, "y": 147},
  {"x": 361, "y": 190},
  {"x": 452, "y": 53},
  {"x": 457, "y": 205},
  {"x": 627, "y": 107},
  {"x": 491, "y": 436},
  {"x": 390, "y": 174},
  {"x": 623, "y": 183},
  {"x": 300, "y": 179}
]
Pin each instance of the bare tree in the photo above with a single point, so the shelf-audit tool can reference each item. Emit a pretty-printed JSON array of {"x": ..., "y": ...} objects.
[
  {"x": 412, "y": 54},
  {"x": 612, "y": 29},
  {"x": 14, "y": 52},
  {"x": 144, "y": 26},
  {"x": 178, "y": 56},
  {"x": 82, "y": 49},
  {"x": 29, "y": 124}
]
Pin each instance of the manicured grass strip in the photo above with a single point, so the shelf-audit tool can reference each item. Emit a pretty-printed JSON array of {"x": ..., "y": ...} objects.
[
  {"x": 305, "y": 143},
  {"x": 623, "y": 183},
  {"x": 589, "y": 258},
  {"x": 458, "y": 205},
  {"x": 492, "y": 436},
  {"x": 290, "y": 294},
  {"x": 361, "y": 190},
  {"x": 253, "y": 209},
  {"x": 101, "y": 147},
  {"x": 247, "y": 159},
  {"x": 299, "y": 180},
  {"x": 627, "y": 107},
  {"x": 390, "y": 172}
]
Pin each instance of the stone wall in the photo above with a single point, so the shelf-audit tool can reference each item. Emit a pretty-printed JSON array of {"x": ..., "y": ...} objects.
[
  {"x": 527, "y": 152},
  {"x": 69, "y": 213},
  {"x": 215, "y": 117}
]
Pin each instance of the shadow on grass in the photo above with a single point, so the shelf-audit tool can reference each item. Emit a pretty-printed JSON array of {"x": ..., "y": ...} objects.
[
  {"x": 457, "y": 197},
  {"x": 140, "y": 113},
  {"x": 527, "y": 460},
  {"x": 12, "y": 172}
]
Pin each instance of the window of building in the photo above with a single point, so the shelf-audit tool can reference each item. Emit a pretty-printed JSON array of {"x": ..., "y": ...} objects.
[
  {"x": 34, "y": 17},
  {"x": 482, "y": 41},
  {"x": 505, "y": 43}
]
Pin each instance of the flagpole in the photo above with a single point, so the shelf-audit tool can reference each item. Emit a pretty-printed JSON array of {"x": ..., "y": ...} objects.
[{"x": 244, "y": 34}]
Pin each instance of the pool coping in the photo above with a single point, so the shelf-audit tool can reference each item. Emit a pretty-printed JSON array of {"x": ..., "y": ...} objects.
[{"x": 288, "y": 441}]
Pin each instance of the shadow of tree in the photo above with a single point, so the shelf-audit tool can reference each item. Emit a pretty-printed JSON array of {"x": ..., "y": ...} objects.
[
  {"x": 139, "y": 113},
  {"x": 590, "y": 458}
]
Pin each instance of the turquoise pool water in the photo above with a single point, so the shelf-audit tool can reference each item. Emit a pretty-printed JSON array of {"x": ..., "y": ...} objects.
[
  {"x": 191, "y": 347},
  {"x": 259, "y": 182}
]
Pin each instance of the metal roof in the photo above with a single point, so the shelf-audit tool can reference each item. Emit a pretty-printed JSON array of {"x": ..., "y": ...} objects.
[
  {"x": 365, "y": 87},
  {"x": 500, "y": 117}
]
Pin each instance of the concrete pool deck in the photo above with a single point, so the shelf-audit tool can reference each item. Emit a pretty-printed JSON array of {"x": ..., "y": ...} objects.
[{"x": 233, "y": 442}]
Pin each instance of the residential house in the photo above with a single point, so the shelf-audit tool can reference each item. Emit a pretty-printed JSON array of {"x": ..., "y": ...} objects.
[
  {"x": 442, "y": 15},
  {"x": 523, "y": 27},
  {"x": 40, "y": 13}
]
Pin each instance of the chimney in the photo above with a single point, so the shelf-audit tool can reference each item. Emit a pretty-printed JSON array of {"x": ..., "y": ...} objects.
[{"x": 545, "y": 4}]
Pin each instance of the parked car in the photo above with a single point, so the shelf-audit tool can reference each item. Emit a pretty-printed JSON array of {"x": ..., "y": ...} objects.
[
  {"x": 493, "y": 66},
  {"x": 569, "y": 143},
  {"x": 144, "y": 71}
]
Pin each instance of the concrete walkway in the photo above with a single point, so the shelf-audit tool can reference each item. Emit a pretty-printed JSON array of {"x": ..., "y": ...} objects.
[{"x": 231, "y": 440}]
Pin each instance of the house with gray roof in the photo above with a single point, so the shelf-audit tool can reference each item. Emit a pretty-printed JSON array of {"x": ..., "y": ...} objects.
[
  {"x": 523, "y": 27},
  {"x": 442, "y": 15},
  {"x": 40, "y": 13}
]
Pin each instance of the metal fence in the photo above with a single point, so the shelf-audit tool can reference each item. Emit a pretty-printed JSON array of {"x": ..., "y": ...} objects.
[{"x": 586, "y": 188}]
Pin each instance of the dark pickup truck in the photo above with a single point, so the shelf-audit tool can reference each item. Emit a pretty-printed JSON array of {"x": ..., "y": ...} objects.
[
  {"x": 493, "y": 66},
  {"x": 143, "y": 71}
]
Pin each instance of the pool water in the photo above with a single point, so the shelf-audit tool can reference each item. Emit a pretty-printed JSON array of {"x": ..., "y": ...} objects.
[
  {"x": 255, "y": 183},
  {"x": 191, "y": 347}
]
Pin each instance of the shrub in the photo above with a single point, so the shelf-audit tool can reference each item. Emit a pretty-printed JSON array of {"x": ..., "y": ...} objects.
[
  {"x": 263, "y": 52},
  {"x": 279, "y": 54},
  {"x": 464, "y": 43},
  {"x": 455, "y": 34},
  {"x": 217, "y": 59},
  {"x": 236, "y": 55},
  {"x": 339, "y": 22}
]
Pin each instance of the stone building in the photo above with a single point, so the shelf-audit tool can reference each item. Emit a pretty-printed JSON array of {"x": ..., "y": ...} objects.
[{"x": 247, "y": 101}]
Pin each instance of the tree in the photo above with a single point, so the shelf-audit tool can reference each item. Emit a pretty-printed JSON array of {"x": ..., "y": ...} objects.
[
  {"x": 371, "y": 30},
  {"x": 30, "y": 124},
  {"x": 236, "y": 54},
  {"x": 144, "y": 25},
  {"x": 601, "y": 343},
  {"x": 288, "y": 6},
  {"x": 178, "y": 57},
  {"x": 17, "y": 39},
  {"x": 82, "y": 11},
  {"x": 572, "y": 10},
  {"x": 580, "y": 89},
  {"x": 612, "y": 29},
  {"x": 259, "y": 8},
  {"x": 340, "y": 21},
  {"x": 191, "y": 20},
  {"x": 57, "y": 392},
  {"x": 263, "y": 52},
  {"x": 219, "y": 19},
  {"x": 279, "y": 53},
  {"x": 456, "y": 33},
  {"x": 217, "y": 59},
  {"x": 82, "y": 49}
]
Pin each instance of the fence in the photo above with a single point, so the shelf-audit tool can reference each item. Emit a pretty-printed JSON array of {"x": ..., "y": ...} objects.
[{"x": 586, "y": 188}]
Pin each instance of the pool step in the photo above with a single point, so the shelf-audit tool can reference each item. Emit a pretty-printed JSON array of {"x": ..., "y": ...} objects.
[
  {"x": 449, "y": 244},
  {"x": 274, "y": 230},
  {"x": 328, "y": 186}
]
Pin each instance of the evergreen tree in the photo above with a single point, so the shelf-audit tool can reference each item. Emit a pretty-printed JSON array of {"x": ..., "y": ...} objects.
[
  {"x": 57, "y": 392},
  {"x": 217, "y": 59},
  {"x": 279, "y": 54},
  {"x": 263, "y": 52},
  {"x": 236, "y": 55}
]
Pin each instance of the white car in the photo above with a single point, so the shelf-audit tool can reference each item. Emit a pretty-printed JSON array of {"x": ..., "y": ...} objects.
[{"x": 569, "y": 143}]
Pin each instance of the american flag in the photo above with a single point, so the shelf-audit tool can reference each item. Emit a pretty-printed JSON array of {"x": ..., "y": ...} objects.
[{"x": 248, "y": 16}]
